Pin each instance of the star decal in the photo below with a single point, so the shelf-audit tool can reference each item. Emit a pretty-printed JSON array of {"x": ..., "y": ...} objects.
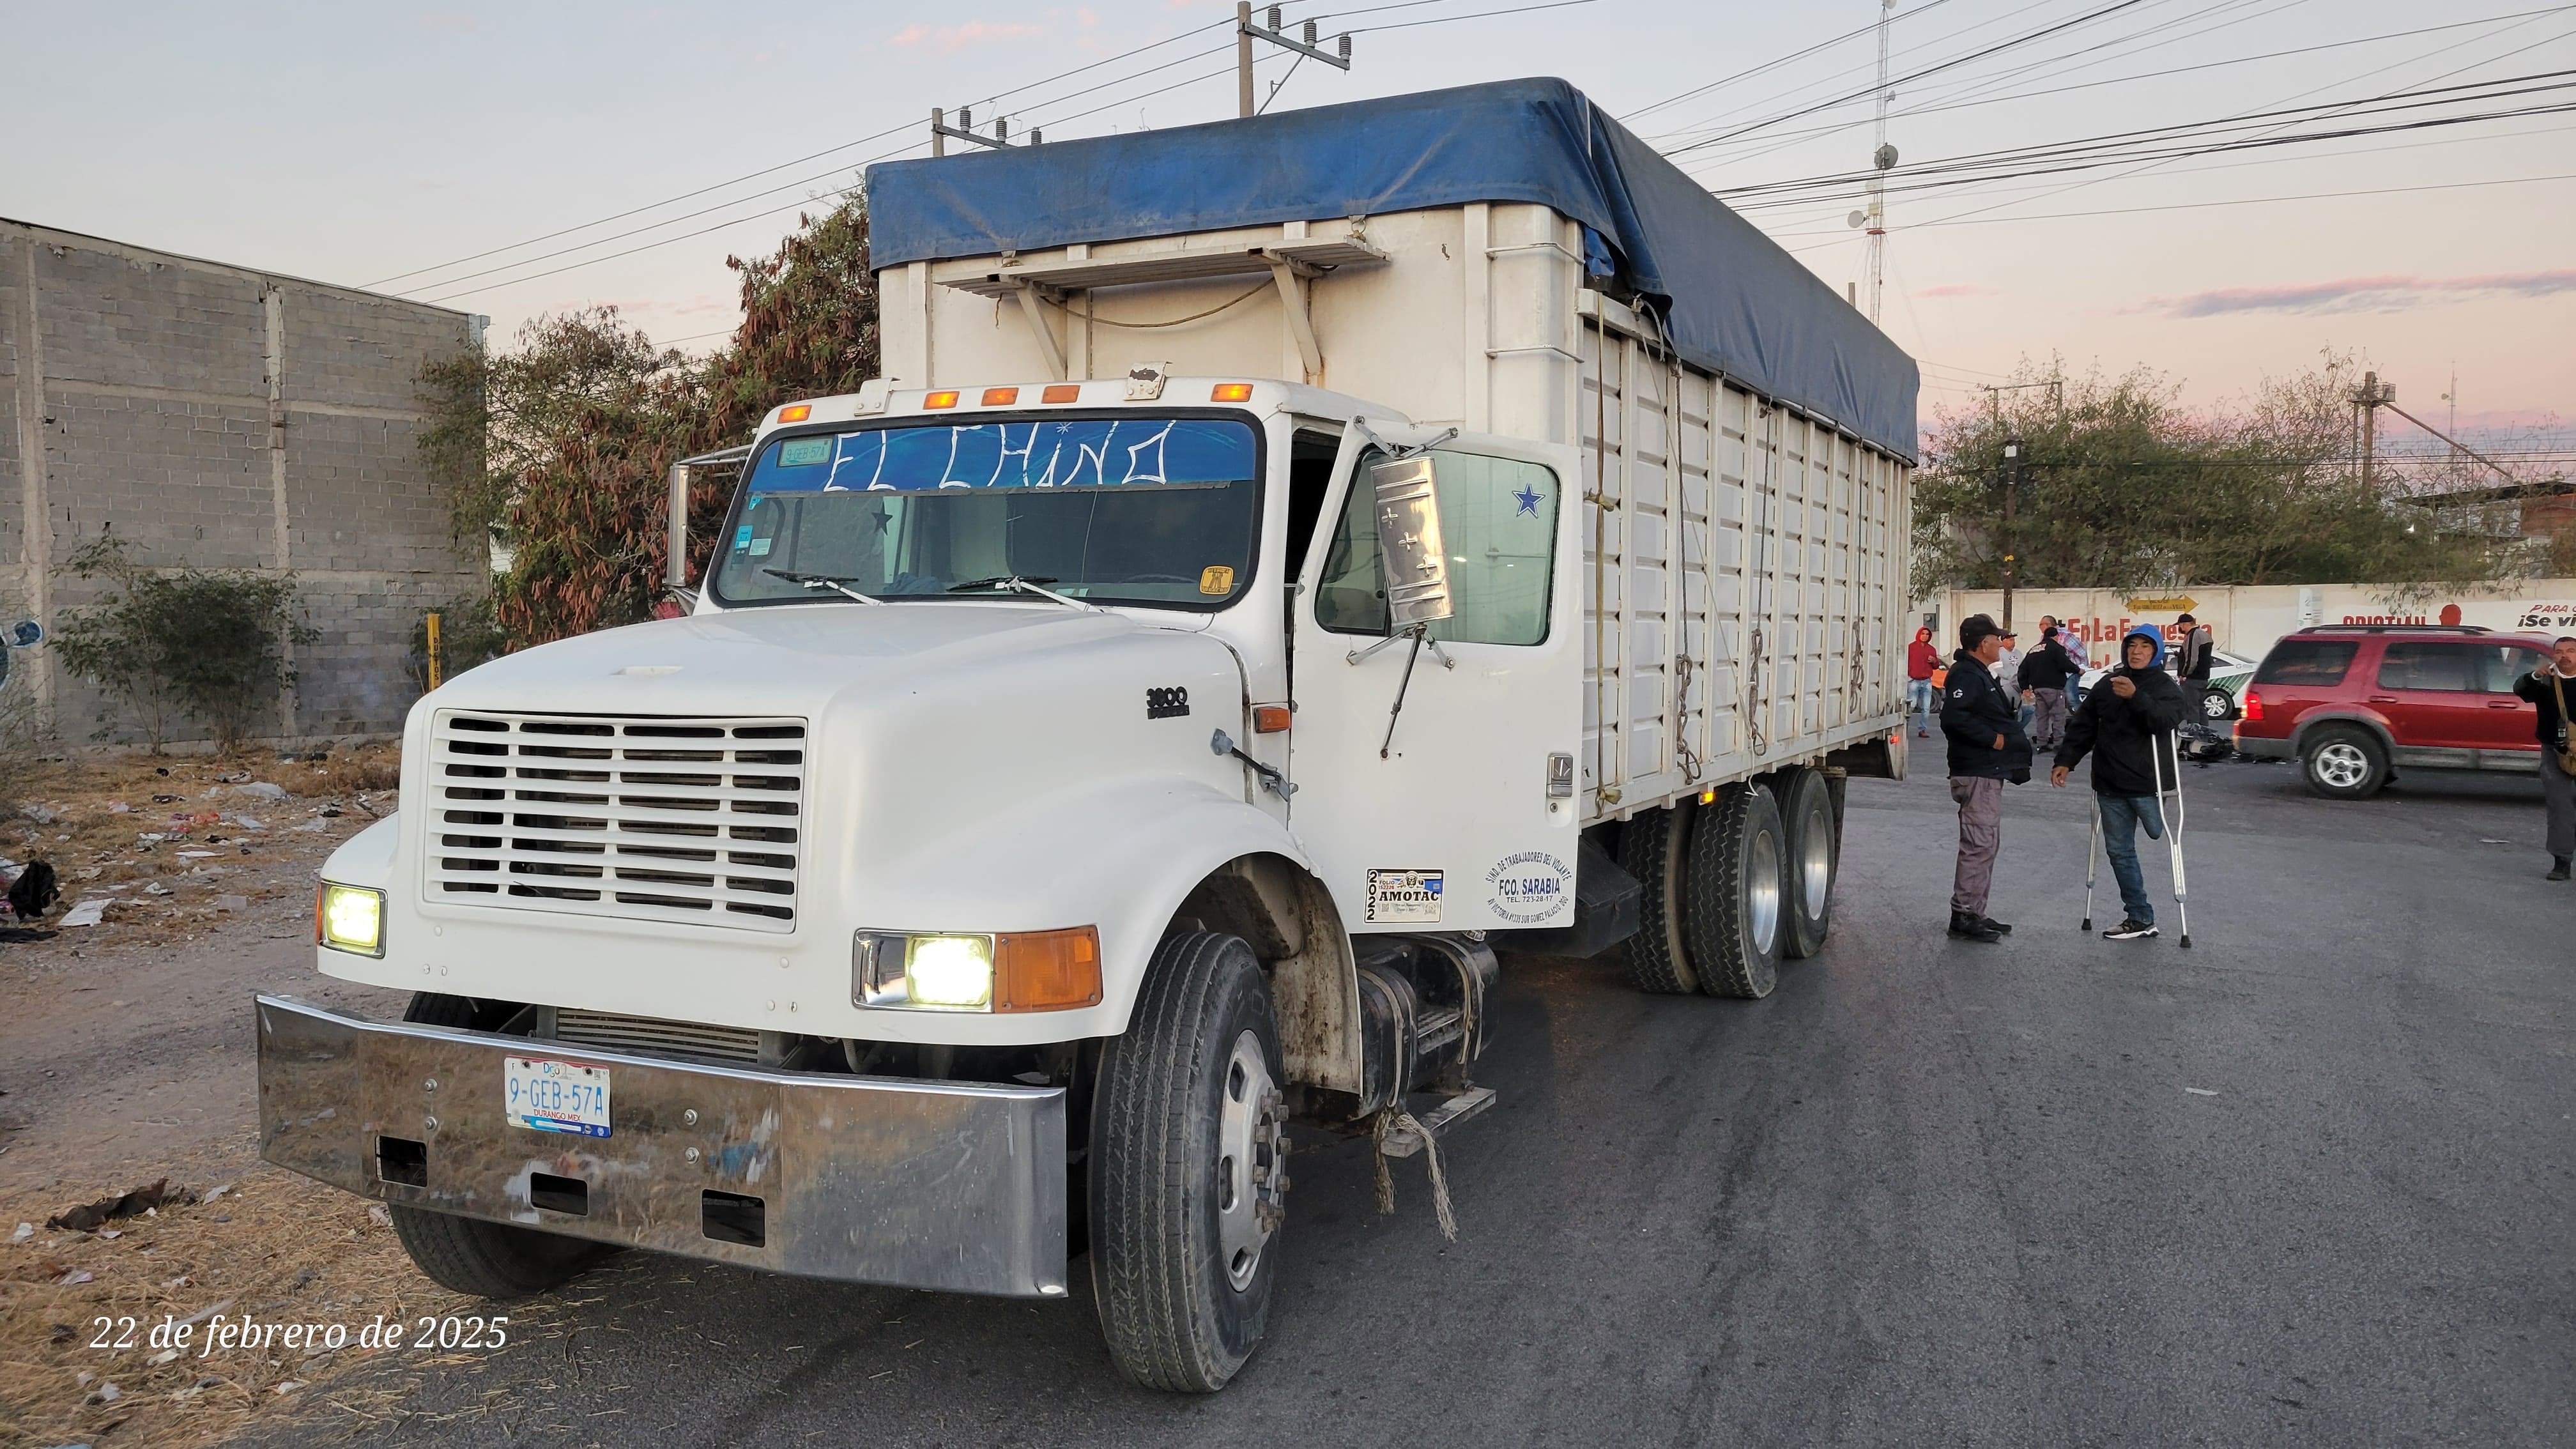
[{"x": 1527, "y": 498}]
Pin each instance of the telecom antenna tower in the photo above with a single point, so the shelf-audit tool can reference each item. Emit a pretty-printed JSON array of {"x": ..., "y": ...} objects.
[{"x": 1881, "y": 157}]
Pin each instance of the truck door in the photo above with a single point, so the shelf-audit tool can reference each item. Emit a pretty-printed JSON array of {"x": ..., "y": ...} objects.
[{"x": 1465, "y": 819}]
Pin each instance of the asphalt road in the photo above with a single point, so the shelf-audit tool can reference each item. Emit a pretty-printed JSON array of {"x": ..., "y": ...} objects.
[{"x": 2308, "y": 1182}]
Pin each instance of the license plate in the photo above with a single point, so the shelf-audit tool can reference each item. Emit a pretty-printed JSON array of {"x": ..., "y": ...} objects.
[{"x": 553, "y": 1096}]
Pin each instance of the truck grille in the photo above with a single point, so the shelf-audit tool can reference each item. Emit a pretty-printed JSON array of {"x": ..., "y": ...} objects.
[
  {"x": 664, "y": 819},
  {"x": 610, "y": 1031}
]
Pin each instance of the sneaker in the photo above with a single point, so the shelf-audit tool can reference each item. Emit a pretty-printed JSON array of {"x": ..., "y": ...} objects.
[
  {"x": 1968, "y": 926},
  {"x": 1998, "y": 927},
  {"x": 2560, "y": 870},
  {"x": 1923, "y": 734},
  {"x": 2130, "y": 930}
]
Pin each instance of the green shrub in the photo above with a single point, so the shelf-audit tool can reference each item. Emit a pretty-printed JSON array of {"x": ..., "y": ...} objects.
[{"x": 209, "y": 645}]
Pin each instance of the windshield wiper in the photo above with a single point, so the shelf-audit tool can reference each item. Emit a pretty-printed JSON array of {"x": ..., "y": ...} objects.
[
  {"x": 823, "y": 581},
  {"x": 1026, "y": 585}
]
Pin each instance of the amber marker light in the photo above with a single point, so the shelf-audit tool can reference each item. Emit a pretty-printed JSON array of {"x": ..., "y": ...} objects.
[
  {"x": 1000, "y": 397},
  {"x": 1270, "y": 719},
  {"x": 1062, "y": 392},
  {"x": 940, "y": 400},
  {"x": 1231, "y": 392},
  {"x": 1046, "y": 970},
  {"x": 796, "y": 414}
]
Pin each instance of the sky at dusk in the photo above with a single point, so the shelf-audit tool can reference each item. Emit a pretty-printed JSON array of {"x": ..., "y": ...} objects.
[{"x": 364, "y": 144}]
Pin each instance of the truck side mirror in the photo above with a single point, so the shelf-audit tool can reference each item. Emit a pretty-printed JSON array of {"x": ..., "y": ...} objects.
[{"x": 1408, "y": 543}]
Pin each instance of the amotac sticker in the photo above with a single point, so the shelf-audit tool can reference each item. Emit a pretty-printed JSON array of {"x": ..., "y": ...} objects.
[
  {"x": 1404, "y": 897},
  {"x": 1528, "y": 888}
]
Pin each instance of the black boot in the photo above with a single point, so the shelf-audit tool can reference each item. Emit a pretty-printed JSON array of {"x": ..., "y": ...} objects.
[
  {"x": 1998, "y": 927},
  {"x": 2561, "y": 871},
  {"x": 1969, "y": 926}
]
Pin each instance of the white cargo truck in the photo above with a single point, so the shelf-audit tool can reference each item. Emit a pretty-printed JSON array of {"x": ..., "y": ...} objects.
[{"x": 1284, "y": 562}]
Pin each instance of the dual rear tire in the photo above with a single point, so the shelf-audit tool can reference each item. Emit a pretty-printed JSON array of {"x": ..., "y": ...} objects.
[{"x": 1734, "y": 886}]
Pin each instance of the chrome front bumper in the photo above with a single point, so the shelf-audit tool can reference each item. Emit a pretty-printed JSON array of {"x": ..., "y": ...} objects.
[{"x": 867, "y": 1179}]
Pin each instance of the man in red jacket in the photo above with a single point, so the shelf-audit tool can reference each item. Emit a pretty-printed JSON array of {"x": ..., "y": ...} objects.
[{"x": 1920, "y": 658}]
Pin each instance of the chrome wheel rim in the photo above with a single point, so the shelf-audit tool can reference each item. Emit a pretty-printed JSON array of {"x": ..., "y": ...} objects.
[
  {"x": 2213, "y": 705},
  {"x": 1251, "y": 1160},
  {"x": 2342, "y": 765},
  {"x": 1816, "y": 863},
  {"x": 1762, "y": 890}
]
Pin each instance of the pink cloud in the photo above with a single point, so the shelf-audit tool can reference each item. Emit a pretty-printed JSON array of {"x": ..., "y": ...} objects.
[
  {"x": 2361, "y": 294},
  {"x": 1958, "y": 289},
  {"x": 950, "y": 39}
]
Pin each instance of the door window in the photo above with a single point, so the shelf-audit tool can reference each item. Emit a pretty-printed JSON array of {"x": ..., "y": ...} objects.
[
  {"x": 2307, "y": 661},
  {"x": 2499, "y": 665},
  {"x": 1498, "y": 521},
  {"x": 2412, "y": 664}
]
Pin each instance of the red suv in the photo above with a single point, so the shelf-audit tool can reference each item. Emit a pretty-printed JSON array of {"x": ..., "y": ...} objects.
[{"x": 2351, "y": 702}]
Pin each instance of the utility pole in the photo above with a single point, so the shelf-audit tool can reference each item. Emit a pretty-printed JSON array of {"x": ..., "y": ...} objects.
[
  {"x": 1309, "y": 47},
  {"x": 2015, "y": 463},
  {"x": 1882, "y": 156},
  {"x": 2367, "y": 400}
]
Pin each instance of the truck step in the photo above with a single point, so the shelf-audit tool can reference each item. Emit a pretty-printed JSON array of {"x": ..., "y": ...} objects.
[
  {"x": 1437, "y": 1028},
  {"x": 1404, "y": 1142}
]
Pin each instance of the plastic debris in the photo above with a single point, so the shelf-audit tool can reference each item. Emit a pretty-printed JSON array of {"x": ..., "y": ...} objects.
[
  {"x": 261, "y": 789},
  {"x": 380, "y": 1215},
  {"x": 77, "y": 1275},
  {"x": 248, "y": 823},
  {"x": 25, "y": 1231},
  {"x": 235, "y": 904},
  {"x": 167, "y": 1355},
  {"x": 290, "y": 1386},
  {"x": 85, "y": 913},
  {"x": 2200, "y": 1091},
  {"x": 41, "y": 814},
  {"x": 156, "y": 888}
]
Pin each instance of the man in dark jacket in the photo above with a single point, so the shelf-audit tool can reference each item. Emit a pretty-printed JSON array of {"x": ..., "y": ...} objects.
[
  {"x": 2546, "y": 688},
  {"x": 1987, "y": 748},
  {"x": 2045, "y": 674},
  {"x": 2126, "y": 724}
]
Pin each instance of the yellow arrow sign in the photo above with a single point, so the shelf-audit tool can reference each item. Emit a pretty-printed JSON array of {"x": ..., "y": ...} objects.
[{"x": 2180, "y": 605}]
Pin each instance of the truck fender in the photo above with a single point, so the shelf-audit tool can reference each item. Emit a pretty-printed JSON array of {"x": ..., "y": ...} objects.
[
  {"x": 1135, "y": 857},
  {"x": 2309, "y": 723},
  {"x": 366, "y": 858}
]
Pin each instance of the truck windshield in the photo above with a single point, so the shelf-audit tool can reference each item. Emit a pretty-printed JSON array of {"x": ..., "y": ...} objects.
[{"x": 1158, "y": 511}]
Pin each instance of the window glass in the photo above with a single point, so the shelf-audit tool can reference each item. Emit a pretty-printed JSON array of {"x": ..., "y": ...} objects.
[
  {"x": 1498, "y": 521},
  {"x": 2499, "y": 665},
  {"x": 2416, "y": 664},
  {"x": 2307, "y": 661},
  {"x": 1131, "y": 510}
]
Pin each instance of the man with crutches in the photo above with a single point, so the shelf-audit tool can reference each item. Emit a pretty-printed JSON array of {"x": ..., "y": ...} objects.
[{"x": 2126, "y": 724}]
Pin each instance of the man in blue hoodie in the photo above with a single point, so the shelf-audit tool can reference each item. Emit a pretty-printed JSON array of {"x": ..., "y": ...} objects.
[{"x": 2126, "y": 724}]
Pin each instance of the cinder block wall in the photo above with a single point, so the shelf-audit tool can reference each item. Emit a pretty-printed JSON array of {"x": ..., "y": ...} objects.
[{"x": 220, "y": 417}]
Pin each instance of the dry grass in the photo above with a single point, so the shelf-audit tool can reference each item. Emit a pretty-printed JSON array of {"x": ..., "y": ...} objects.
[{"x": 275, "y": 1247}]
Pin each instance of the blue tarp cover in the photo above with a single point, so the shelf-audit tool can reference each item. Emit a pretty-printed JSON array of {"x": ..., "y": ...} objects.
[{"x": 1731, "y": 299}]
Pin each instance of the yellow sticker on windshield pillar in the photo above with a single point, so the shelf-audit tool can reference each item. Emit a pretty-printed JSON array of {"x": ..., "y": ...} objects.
[{"x": 1216, "y": 579}]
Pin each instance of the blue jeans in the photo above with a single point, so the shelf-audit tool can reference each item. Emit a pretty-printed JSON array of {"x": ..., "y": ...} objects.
[
  {"x": 2122, "y": 816},
  {"x": 1918, "y": 701}
]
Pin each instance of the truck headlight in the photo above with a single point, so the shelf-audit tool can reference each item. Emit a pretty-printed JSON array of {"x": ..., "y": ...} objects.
[
  {"x": 951, "y": 971},
  {"x": 1013, "y": 971},
  {"x": 350, "y": 918}
]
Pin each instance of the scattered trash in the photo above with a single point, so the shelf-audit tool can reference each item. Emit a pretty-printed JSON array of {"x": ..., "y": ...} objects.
[
  {"x": 248, "y": 823},
  {"x": 112, "y": 1233},
  {"x": 86, "y": 913},
  {"x": 165, "y": 799},
  {"x": 261, "y": 789},
  {"x": 290, "y": 1386},
  {"x": 309, "y": 826},
  {"x": 2482, "y": 840},
  {"x": 330, "y": 812},
  {"x": 161, "y": 769},
  {"x": 77, "y": 1275},
  {"x": 2200, "y": 1091},
  {"x": 88, "y": 1216},
  {"x": 182, "y": 1281},
  {"x": 380, "y": 1215},
  {"x": 167, "y": 1355},
  {"x": 237, "y": 775},
  {"x": 119, "y": 807},
  {"x": 42, "y": 814},
  {"x": 199, "y": 854},
  {"x": 156, "y": 888},
  {"x": 105, "y": 1394},
  {"x": 218, "y": 1192},
  {"x": 235, "y": 904},
  {"x": 25, "y": 1231},
  {"x": 64, "y": 1333}
]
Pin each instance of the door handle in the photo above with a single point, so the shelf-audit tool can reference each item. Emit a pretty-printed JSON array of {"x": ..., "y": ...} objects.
[
  {"x": 2383, "y": 699},
  {"x": 2500, "y": 704}
]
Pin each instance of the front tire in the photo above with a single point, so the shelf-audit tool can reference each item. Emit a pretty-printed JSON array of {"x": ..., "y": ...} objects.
[
  {"x": 1733, "y": 914},
  {"x": 1814, "y": 838},
  {"x": 1188, "y": 1170},
  {"x": 469, "y": 1255},
  {"x": 2344, "y": 763}
]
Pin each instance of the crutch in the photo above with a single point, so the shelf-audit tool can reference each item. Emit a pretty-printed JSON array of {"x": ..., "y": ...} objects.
[
  {"x": 2173, "y": 831},
  {"x": 2092, "y": 861}
]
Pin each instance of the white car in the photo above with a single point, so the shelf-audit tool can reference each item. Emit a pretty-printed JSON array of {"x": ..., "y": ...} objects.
[{"x": 2227, "y": 676}]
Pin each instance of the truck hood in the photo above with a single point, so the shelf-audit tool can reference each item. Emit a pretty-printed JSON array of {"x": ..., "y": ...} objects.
[{"x": 789, "y": 660}]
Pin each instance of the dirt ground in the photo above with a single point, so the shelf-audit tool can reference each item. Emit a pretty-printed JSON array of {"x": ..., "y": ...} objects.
[{"x": 126, "y": 1057}]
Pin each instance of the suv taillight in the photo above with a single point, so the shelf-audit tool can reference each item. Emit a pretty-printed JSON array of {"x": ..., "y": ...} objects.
[{"x": 2253, "y": 705}]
